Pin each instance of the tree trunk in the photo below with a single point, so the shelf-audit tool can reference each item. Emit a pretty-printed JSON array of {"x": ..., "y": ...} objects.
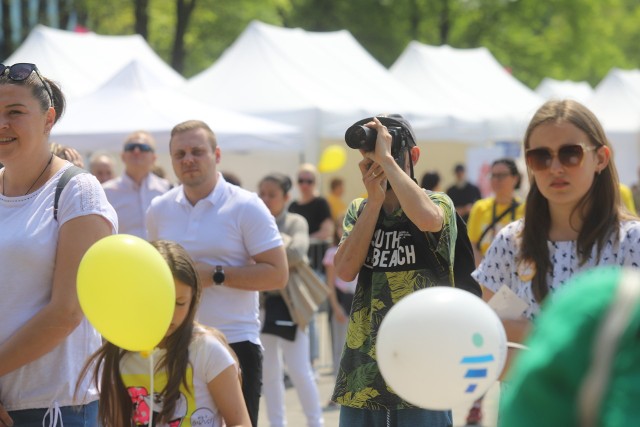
[
  {"x": 65, "y": 8},
  {"x": 184, "y": 8},
  {"x": 142, "y": 18},
  {"x": 444, "y": 23},
  {"x": 414, "y": 21}
]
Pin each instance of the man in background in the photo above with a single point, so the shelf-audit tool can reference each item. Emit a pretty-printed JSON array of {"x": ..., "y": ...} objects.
[
  {"x": 463, "y": 193},
  {"x": 234, "y": 240},
  {"x": 101, "y": 166},
  {"x": 131, "y": 193}
]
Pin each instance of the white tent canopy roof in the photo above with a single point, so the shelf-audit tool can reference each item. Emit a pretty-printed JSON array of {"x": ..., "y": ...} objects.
[
  {"x": 564, "y": 89},
  {"x": 470, "y": 82},
  {"x": 82, "y": 62},
  {"x": 616, "y": 103},
  {"x": 323, "y": 81},
  {"x": 130, "y": 101}
]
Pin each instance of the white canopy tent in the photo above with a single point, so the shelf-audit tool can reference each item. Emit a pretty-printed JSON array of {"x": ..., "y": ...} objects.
[
  {"x": 82, "y": 62},
  {"x": 131, "y": 100},
  {"x": 322, "y": 82},
  {"x": 564, "y": 89},
  {"x": 470, "y": 82},
  {"x": 616, "y": 103}
]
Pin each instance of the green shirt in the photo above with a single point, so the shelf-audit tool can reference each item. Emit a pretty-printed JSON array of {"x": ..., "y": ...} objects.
[{"x": 397, "y": 265}]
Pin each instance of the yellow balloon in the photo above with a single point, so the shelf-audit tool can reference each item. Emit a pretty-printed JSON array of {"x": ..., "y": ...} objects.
[
  {"x": 333, "y": 158},
  {"x": 127, "y": 292}
]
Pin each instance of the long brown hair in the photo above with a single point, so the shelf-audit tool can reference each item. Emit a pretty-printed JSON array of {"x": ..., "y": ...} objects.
[
  {"x": 115, "y": 404},
  {"x": 599, "y": 207}
]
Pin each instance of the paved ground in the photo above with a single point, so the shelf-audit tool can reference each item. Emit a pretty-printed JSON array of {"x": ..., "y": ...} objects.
[{"x": 296, "y": 418}]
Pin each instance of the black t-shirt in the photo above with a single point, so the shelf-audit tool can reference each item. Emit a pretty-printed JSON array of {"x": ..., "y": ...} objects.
[
  {"x": 315, "y": 212},
  {"x": 464, "y": 195}
]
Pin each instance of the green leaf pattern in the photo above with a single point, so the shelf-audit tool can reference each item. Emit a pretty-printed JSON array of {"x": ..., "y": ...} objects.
[{"x": 359, "y": 383}]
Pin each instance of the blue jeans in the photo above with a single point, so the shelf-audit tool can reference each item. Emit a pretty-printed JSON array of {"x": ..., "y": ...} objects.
[
  {"x": 352, "y": 417},
  {"x": 72, "y": 416}
]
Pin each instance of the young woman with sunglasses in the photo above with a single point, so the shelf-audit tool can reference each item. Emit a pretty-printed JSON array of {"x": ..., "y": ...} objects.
[
  {"x": 573, "y": 218},
  {"x": 44, "y": 337}
]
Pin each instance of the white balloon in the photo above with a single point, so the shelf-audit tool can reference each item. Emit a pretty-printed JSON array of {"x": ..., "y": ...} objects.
[{"x": 440, "y": 347}]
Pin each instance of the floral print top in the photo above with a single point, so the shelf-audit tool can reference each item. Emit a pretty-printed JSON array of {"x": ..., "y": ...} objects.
[{"x": 500, "y": 265}]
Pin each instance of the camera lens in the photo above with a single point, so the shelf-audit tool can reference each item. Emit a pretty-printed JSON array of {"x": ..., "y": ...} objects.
[{"x": 361, "y": 137}]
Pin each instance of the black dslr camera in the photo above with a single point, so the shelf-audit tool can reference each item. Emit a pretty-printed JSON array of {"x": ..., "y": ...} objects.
[{"x": 360, "y": 137}]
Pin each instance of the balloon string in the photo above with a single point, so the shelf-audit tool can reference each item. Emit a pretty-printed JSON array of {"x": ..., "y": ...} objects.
[
  {"x": 152, "y": 393},
  {"x": 517, "y": 345}
]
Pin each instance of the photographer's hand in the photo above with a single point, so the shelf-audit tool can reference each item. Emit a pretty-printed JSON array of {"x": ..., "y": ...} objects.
[{"x": 374, "y": 179}]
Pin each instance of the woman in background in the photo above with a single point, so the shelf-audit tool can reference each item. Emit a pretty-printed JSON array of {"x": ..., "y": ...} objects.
[
  {"x": 489, "y": 215},
  {"x": 283, "y": 340}
]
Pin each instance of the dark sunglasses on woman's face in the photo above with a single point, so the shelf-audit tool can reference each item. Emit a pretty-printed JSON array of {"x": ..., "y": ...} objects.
[
  {"x": 144, "y": 148},
  {"x": 21, "y": 71},
  {"x": 305, "y": 181},
  {"x": 570, "y": 156}
]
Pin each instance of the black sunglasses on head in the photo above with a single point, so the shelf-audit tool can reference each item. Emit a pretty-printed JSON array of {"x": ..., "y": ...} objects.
[
  {"x": 145, "y": 148},
  {"x": 21, "y": 72}
]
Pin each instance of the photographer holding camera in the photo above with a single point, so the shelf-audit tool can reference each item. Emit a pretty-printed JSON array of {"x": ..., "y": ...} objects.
[{"x": 402, "y": 238}]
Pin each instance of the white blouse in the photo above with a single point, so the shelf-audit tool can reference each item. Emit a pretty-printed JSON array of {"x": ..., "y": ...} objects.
[{"x": 500, "y": 265}]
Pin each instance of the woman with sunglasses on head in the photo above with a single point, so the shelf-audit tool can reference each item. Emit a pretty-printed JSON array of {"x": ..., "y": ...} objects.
[
  {"x": 44, "y": 337},
  {"x": 573, "y": 219}
]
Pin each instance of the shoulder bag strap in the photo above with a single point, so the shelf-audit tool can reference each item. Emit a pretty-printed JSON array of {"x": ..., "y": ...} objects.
[
  {"x": 511, "y": 209},
  {"x": 62, "y": 182}
]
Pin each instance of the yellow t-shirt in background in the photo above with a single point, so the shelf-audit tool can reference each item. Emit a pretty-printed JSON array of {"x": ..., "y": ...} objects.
[
  {"x": 481, "y": 216},
  {"x": 627, "y": 199},
  {"x": 337, "y": 206}
]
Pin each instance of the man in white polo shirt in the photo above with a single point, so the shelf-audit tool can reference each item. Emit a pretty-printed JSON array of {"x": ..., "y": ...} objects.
[
  {"x": 233, "y": 238},
  {"x": 131, "y": 194}
]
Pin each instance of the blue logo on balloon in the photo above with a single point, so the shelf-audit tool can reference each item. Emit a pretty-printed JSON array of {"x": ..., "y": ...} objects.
[{"x": 476, "y": 372}]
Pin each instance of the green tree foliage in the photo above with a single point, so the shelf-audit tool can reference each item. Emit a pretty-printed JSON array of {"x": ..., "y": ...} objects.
[{"x": 562, "y": 39}]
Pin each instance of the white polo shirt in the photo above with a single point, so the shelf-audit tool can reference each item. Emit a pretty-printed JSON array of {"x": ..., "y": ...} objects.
[
  {"x": 131, "y": 200},
  {"x": 228, "y": 228}
]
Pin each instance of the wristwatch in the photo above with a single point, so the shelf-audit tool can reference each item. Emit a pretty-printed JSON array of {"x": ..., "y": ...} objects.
[{"x": 218, "y": 275}]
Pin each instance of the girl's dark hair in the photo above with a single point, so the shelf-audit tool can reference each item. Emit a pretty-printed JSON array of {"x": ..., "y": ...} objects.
[
  {"x": 511, "y": 165},
  {"x": 40, "y": 92},
  {"x": 283, "y": 181},
  {"x": 116, "y": 408},
  {"x": 598, "y": 209}
]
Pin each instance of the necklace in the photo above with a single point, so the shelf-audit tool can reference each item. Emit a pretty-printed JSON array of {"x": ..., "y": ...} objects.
[{"x": 34, "y": 182}]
